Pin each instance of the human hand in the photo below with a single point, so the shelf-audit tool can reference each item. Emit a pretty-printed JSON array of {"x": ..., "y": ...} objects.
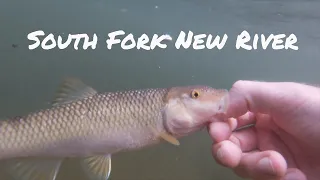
[{"x": 285, "y": 141}]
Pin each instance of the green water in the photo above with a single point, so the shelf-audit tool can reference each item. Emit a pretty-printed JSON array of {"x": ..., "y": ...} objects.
[{"x": 28, "y": 79}]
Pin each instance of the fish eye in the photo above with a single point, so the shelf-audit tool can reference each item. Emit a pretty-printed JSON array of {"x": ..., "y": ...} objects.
[{"x": 195, "y": 94}]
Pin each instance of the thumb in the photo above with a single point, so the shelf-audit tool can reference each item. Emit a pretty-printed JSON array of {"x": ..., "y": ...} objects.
[
  {"x": 294, "y": 174},
  {"x": 269, "y": 97}
]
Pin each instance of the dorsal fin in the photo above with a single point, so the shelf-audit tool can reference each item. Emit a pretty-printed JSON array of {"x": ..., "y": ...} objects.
[{"x": 72, "y": 89}]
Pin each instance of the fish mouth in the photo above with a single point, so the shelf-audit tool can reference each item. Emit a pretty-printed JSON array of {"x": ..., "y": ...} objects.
[
  {"x": 221, "y": 112},
  {"x": 224, "y": 103},
  {"x": 218, "y": 117}
]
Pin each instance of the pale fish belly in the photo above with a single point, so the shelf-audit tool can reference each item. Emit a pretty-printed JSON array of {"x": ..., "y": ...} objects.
[
  {"x": 131, "y": 139},
  {"x": 109, "y": 140}
]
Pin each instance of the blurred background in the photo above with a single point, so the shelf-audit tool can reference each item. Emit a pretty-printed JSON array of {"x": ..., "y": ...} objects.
[{"x": 28, "y": 79}]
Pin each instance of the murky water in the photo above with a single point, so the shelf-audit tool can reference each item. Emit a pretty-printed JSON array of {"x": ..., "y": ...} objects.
[{"x": 28, "y": 79}]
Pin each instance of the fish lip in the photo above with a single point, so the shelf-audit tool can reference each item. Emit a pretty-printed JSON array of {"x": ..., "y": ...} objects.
[
  {"x": 226, "y": 102},
  {"x": 223, "y": 104},
  {"x": 221, "y": 112},
  {"x": 218, "y": 116}
]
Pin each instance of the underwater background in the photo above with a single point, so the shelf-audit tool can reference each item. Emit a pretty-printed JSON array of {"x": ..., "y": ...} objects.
[{"x": 29, "y": 78}]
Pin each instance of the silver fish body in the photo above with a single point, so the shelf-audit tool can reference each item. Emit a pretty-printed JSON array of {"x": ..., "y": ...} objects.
[
  {"x": 103, "y": 123},
  {"x": 89, "y": 125}
]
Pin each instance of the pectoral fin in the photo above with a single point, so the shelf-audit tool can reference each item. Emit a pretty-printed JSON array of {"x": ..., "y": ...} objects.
[
  {"x": 170, "y": 139},
  {"x": 167, "y": 137},
  {"x": 33, "y": 169},
  {"x": 72, "y": 89},
  {"x": 97, "y": 167}
]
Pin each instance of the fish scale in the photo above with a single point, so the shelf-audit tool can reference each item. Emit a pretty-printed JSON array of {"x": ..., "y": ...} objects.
[
  {"x": 112, "y": 111},
  {"x": 91, "y": 126}
]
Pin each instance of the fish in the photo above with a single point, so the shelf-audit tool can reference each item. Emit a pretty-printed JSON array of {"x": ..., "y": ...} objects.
[{"x": 91, "y": 126}]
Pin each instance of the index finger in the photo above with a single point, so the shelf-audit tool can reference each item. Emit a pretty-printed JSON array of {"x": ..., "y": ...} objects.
[{"x": 266, "y": 97}]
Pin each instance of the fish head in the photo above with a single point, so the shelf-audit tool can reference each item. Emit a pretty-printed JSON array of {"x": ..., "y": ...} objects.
[{"x": 191, "y": 108}]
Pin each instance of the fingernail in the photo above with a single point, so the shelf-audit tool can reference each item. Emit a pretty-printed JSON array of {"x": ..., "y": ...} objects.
[
  {"x": 293, "y": 176},
  {"x": 220, "y": 153},
  {"x": 290, "y": 176},
  {"x": 265, "y": 165}
]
